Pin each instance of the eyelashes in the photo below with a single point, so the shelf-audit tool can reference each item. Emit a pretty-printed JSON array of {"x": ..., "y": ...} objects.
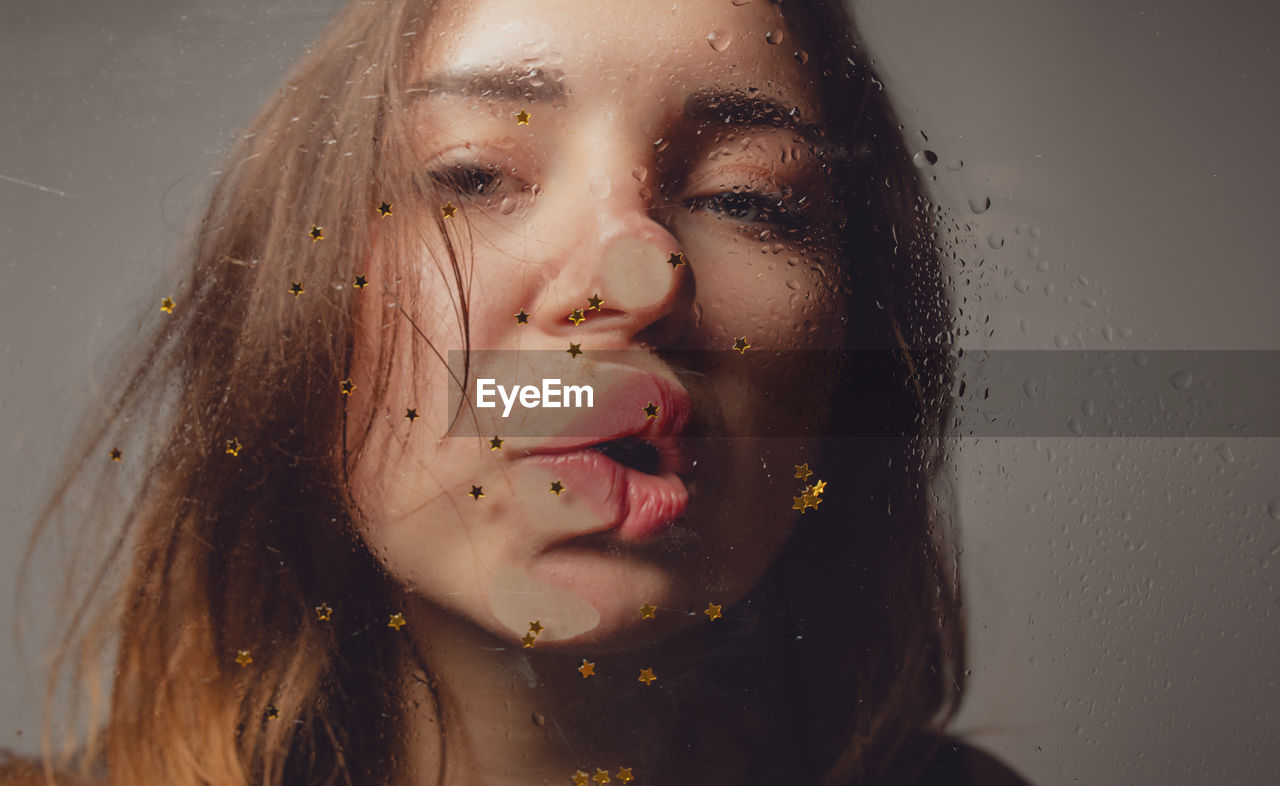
[{"x": 483, "y": 184}]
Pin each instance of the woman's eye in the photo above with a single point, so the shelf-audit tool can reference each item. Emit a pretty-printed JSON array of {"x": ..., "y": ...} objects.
[
  {"x": 468, "y": 180},
  {"x": 748, "y": 207}
]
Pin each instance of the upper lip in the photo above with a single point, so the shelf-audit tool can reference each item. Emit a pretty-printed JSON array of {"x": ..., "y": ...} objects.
[{"x": 619, "y": 412}]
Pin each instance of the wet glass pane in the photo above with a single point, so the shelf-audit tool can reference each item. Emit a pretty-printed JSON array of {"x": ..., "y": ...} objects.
[{"x": 726, "y": 391}]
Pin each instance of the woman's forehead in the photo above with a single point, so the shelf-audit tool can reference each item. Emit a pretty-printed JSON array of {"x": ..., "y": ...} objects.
[{"x": 624, "y": 51}]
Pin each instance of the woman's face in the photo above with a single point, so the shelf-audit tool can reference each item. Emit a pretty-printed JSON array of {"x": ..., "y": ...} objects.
[{"x": 581, "y": 151}]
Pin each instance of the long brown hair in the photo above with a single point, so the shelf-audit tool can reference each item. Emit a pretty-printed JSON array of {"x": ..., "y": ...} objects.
[{"x": 237, "y": 525}]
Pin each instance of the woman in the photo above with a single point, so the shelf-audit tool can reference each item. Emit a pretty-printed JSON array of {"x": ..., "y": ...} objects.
[{"x": 339, "y": 567}]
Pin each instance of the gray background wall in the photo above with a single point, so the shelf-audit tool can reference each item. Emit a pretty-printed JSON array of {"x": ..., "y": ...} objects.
[{"x": 1122, "y": 592}]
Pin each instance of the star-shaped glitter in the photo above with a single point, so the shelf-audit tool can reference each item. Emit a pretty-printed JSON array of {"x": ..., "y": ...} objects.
[
  {"x": 580, "y": 778},
  {"x": 647, "y": 611},
  {"x": 296, "y": 289},
  {"x": 741, "y": 345},
  {"x": 243, "y": 658},
  {"x": 348, "y": 386},
  {"x": 797, "y": 503},
  {"x": 576, "y": 316},
  {"x": 811, "y": 500},
  {"x": 676, "y": 260},
  {"x": 587, "y": 668},
  {"x": 448, "y": 210},
  {"x": 819, "y": 487},
  {"x": 166, "y": 305},
  {"x": 574, "y": 349},
  {"x": 384, "y": 209},
  {"x": 522, "y": 318},
  {"x": 522, "y": 118},
  {"x": 601, "y": 777},
  {"x": 476, "y": 492},
  {"x": 116, "y": 455},
  {"x": 624, "y": 775},
  {"x": 535, "y": 627},
  {"x": 594, "y": 303},
  {"x": 651, "y": 411},
  {"x": 396, "y": 621},
  {"x": 233, "y": 447},
  {"x": 803, "y": 472},
  {"x": 316, "y": 233},
  {"x": 528, "y": 639},
  {"x": 360, "y": 283},
  {"x": 323, "y": 612},
  {"x": 557, "y": 487},
  {"x": 272, "y": 712},
  {"x": 495, "y": 443},
  {"x": 411, "y": 414},
  {"x": 713, "y": 611},
  {"x": 647, "y": 676}
]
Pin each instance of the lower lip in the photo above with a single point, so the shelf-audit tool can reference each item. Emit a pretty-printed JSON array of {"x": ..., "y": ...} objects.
[{"x": 638, "y": 504}]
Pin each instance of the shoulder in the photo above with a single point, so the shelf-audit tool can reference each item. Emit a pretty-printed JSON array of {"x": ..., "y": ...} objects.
[{"x": 948, "y": 761}]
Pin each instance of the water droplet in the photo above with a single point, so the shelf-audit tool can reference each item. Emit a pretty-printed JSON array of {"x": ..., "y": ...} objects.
[
  {"x": 1022, "y": 285},
  {"x": 1108, "y": 332},
  {"x": 979, "y": 203},
  {"x": 793, "y": 284},
  {"x": 1087, "y": 408},
  {"x": 1030, "y": 389},
  {"x": 774, "y": 37},
  {"x": 640, "y": 173},
  {"x": 925, "y": 158},
  {"x": 697, "y": 315},
  {"x": 1033, "y": 252},
  {"x": 507, "y": 206},
  {"x": 1273, "y": 508},
  {"x": 995, "y": 240},
  {"x": 1181, "y": 380},
  {"x": 1224, "y": 453},
  {"x": 802, "y": 57},
  {"x": 955, "y": 165},
  {"x": 660, "y": 144},
  {"x": 720, "y": 39},
  {"x": 1140, "y": 359},
  {"x": 741, "y": 2}
]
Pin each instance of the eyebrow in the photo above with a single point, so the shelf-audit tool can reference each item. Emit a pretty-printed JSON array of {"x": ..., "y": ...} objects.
[
  {"x": 508, "y": 84},
  {"x": 741, "y": 108}
]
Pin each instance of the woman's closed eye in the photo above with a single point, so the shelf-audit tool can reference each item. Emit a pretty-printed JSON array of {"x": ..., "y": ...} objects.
[
  {"x": 752, "y": 208},
  {"x": 468, "y": 181}
]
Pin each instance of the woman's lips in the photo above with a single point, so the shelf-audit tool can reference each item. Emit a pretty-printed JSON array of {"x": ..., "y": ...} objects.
[{"x": 638, "y": 504}]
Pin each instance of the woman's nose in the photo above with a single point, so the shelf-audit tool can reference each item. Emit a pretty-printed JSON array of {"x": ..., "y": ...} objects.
[{"x": 626, "y": 260}]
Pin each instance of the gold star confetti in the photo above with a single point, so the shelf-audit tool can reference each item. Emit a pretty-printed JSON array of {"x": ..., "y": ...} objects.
[
  {"x": 528, "y": 639},
  {"x": 576, "y": 316},
  {"x": 580, "y": 778},
  {"x": 819, "y": 487},
  {"x": 316, "y": 233},
  {"x": 647, "y": 611},
  {"x": 535, "y": 627},
  {"x": 651, "y": 411},
  {"x": 360, "y": 283},
  {"x": 348, "y": 386},
  {"x": 574, "y": 350},
  {"x": 272, "y": 712},
  {"x": 296, "y": 289},
  {"x": 741, "y": 345},
  {"x": 495, "y": 443},
  {"x": 448, "y": 210},
  {"x": 384, "y": 209},
  {"x": 557, "y": 487},
  {"x": 587, "y": 668},
  {"x": 243, "y": 658},
  {"x": 233, "y": 447},
  {"x": 396, "y": 621},
  {"x": 713, "y": 611},
  {"x": 803, "y": 472},
  {"x": 411, "y": 415},
  {"x": 594, "y": 303},
  {"x": 166, "y": 305},
  {"x": 323, "y": 612},
  {"x": 601, "y": 777},
  {"x": 811, "y": 500},
  {"x": 647, "y": 676},
  {"x": 624, "y": 775},
  {"x": 476, "y": 492},
  {"x": 521, "y": 317},
  {"x": 797, "y": 503},
  {"x": 116, "y": 455},
  {"x": 522, "y": 118},
  {"x": 676, "y": 260}
]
